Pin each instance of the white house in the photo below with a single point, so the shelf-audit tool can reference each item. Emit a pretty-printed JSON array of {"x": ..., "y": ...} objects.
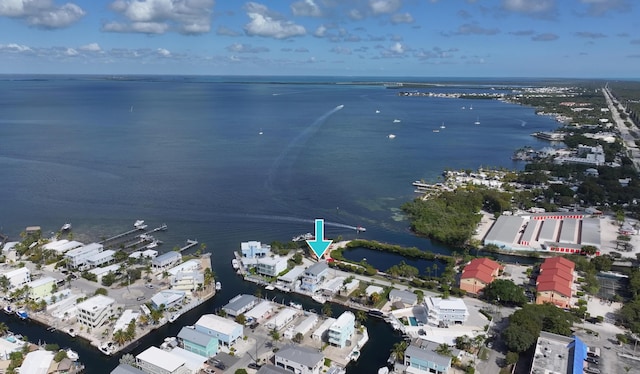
[
  {"x": 101, "y": 272},
  {"x": 321, "y": 332},
  {"x": 168, "y": 298},
  {"x": 342, "y": 330},
  {"x": 260, "y": 312},
  {"x": 95, "y": 311},
  {"x": 18, "y": 277},
  {"x": 225, "y": 330},
  {"x": 101, "y": 258},
  {"x": 280, "y": 320},
  {"x": 124, "y": 320},
  {"x": 443, "y": 312},
  {"x": 77, "y": 258},
  {"x": 156, "y": 361},
  {"x": 253, "y": 249},
  {"x": 187, "y": 280},
  {"x": 166, "y": 260},
  {"x": 271, "y": 266}
]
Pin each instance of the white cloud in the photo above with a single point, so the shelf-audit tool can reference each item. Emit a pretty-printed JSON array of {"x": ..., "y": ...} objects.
[
  {"x": 401, "y": 18},
  {"x": 91, "y": 47},
  {"x": 13, "y": 47},
  {"x": 306, "y": 8},
  {"x": 321, "y": 31},
  {"x": 397, "y": 48},
  {"x": 246, "y": 48},
  {"x": 42, "y": 13},
  {"x": 600, "y": 7},
  {"x": 71, "y": 52},
  {"x": 270, "y": 24},
  {"x": 529, "y": 6},
  {"x": 159, "y": 16},
  {"x": 384, "y": 6},
  {"x": 163, "y": 52}
]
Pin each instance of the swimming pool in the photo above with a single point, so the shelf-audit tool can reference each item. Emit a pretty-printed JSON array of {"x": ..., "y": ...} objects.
[
  {"x": 413, "y": 321},
  {"x": 11, "y": 339}
]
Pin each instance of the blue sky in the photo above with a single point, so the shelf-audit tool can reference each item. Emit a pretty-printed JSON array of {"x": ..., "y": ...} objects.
[{"x": 427, "y": 38}]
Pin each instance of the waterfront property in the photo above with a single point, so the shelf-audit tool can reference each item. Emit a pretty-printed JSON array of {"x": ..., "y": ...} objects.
[
  {"x": 126, "y": 369},
  {"x": 421, "y": 357},
  {"x": 313, "y": 276},
  {"x": 166, "y": 260},
  {"x": 280, "y": 320},
  {"x": 289, "y": 279},
  {"x": 303, "y": 327},
  {"x": 271, "y": 266},
  {"x": 320, "y": 334},
  {"x": 558, "y": 354},
  {"x": 564, "y": 232},
  {"x": 240, "y": 304},
  {"x": 77, "y": 258},
  {"x": 406, "y": 298},
  {"x": 167, "y": 299},
  {"x": 478, "y": 274},
  {"x": 443, "y": 312},
  {"x": 260, "y": 312},
  {"x": 37, "y": 362},
  {"x": 100, "y": 258},
  {"x": 61, "y": 246},
  {"x": 223, "y": 329},
  {"x": 299, "y": 359},
  {"x": 253, "y": 249},
  {"x": 156, "y": 361},
  {"x": 102, "y": 271},
  {"x": 95, "y": 311},
  {"x": 342, "y": 330},
  {"x": 125, "y": 319},
  {"x": 555, "y": 282},
  {"x": 198, "y": 342}
]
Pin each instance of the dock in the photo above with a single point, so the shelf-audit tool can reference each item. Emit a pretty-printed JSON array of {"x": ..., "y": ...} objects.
[
  {"x": 106, "y": 242},
  {"x": 190, "y": 243}
]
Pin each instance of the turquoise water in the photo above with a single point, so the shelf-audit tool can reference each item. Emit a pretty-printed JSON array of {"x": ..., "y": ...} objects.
[{"x": 413, "y": 321}]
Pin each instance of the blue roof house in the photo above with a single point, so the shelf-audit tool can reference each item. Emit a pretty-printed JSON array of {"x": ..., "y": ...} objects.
[{"x": 198, "y": 342}]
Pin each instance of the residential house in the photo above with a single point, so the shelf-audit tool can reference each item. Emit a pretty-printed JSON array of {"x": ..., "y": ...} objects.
[
  {"x": 167, "y": 298},
  {"x": 166, "y": 260},
  {"x": 240, "y": 304},
  {"x": 421, "y": 357},
  {"x": 100, "y": 258},
  {"x": 95, "y": 311},
  {"x": 260, "y": 312},
  {"x": 125, "y": 319},
  {"x": 225, "y": 330},
  {"x": 36, "y": 362},
  {"x": 18, "y": 277},
  {"x": 444, "y": 312},
  {"x": 313, "y": 276},
  {"x": 77, "y": 258},
  {"x": 156, "y": 361},
  {"x": 342, "y": 330},
  {"x": 198, "y": 342},
  {"x": 271, "y": 266},
  {"x": 187, "y": 281},
  {"x": 478, "y": 274},
  {"x": 102, "y": 271},
  {"x": 272, "y": 369},
  {"x": 406, "y": 298},
  {"x": 320, "y": 334},
  {"x": 280, "y": 320},
  {"x": 253, "y": 249},
  {"x": 126, "y": 369},
  {"x": 42, "y": 288},
  {"x": 299, "y": 359}
]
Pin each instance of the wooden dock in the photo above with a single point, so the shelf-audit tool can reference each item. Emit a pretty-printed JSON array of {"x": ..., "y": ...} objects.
[
  {"x": 190, "y": 243},
  {"x": 162, "y": 227}
]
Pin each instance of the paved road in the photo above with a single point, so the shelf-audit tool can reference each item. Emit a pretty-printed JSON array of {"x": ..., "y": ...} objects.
[{"x": 627, "y": 138}]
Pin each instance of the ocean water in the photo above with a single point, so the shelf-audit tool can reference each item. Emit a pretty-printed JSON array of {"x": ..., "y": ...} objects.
[{"x": 225, "y": 160}]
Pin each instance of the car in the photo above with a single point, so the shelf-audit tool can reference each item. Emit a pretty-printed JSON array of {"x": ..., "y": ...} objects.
[
  {"x": 221, "y": 365},
  {"x": 253, "y": 365},
  {"x": 140, "y": 298},
  {"x": 149, "y": 285},
  {"x": 592, "y": 370},
  {"x": 592, "y": 360}
]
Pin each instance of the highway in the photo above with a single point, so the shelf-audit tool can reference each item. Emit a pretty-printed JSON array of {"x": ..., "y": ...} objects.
[{"x": 627, "y": 138}]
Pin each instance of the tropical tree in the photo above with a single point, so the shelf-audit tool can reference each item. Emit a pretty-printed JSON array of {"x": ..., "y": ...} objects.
[
  {"x": 443, "y": 350},
  {"x": 274, "y": 334},
  {"x": 361, "y": 316},
  {"x": 241, "y": 319},
  {"x": 512, "y": 357},
  {"x": 398, "y": 350},
  {"x": 3, "y": 329},
  {"x": 298, "y": 338},
  {"x": 120, "y": 337},
  {"x": 326, "y": 310},
  {"x": 128, "y": 359},
  {"x": 463, "y": 342},
  {"x": 5, "y": 283}
]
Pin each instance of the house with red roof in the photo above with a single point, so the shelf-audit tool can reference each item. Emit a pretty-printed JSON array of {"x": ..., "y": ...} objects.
[
  {"x": 554, "y": 284},
  {"x": 478, "y": 274}
]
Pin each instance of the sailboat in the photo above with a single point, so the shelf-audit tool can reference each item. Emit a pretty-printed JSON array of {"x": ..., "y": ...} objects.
[
  {"x": 477, "y": 122},
  {"x": 443, "y": 126}
]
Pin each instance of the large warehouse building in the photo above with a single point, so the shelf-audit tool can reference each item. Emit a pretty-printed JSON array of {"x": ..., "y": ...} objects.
[{"x": 557, "y": 232}]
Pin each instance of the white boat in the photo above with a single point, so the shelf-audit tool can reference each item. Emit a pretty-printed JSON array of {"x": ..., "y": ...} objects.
[
  {"x": 270, "y": 287},
  {"x": 470, "y": 107},
  {"x": 383, "y": 370},
  {"x": 173, "y": 317},
  {"x": 436, "y": 130},
  {"x": 443, "y": 126},
  {"x": 71, "y": 332},
  {"x": 235, "y": 264},
  {"x": 396, "y": 121},
  {"x": 7, "y": 309},
  {"x": 72, "y": 355},
  {"x": 22, "y": 314},
  {"x": 153, "y": 244},
  {"x": 138, "y": 224},
  {"x": 218, "y": 286},
  {"x": 319, "y": 298},
  {"x": 65, "y": 227},
  {"x": 295, "y": 305},
  {"x": 340, "y": 106},
  {"x": 391, "y": 136},
  {"x": 477, "y": 122},
  {"x": 361, "y": 229},
  {"x": 299, "y": 238}
]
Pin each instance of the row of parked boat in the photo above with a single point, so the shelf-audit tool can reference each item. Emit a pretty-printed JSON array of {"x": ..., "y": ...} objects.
[{"x": 20, "y": 313}]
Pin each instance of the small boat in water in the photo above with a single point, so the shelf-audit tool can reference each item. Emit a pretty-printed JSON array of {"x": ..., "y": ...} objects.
[
  {"x": 66, "y": 227},
  {"x": 360, "y": 229},
  {"x": 153, "y": 244},
  {"x": 72, "y": 355},
  {"x": 218, "y": 286},
  {"x": 173, "y": 317},
  {"x": 7, "y": 309},
  {"x": 391, "y": 136},
  {"x": 71, "y": 332},
  {"x": 295, "y": 305},
  {"x": 270, "y": 287},
  {"x": 235, "y": 263},
  {"x": 22, "y": 314},
  {"x": 138, "y": 224},
  {"x": 396, "y": 121},
  {"x": 299, "y": 238},
  {"x": 477, "y": 122},
  {"x": 319, "y": 298},
  {"x": 443, "y": 126}
]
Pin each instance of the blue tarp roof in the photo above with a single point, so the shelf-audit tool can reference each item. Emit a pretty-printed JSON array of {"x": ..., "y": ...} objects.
[{"x": 579, "y": 355}]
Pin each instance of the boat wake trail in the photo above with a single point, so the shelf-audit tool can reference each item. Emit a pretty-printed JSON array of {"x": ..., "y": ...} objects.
[
  {"x": 292, "y": 150},
  {"x": 276, "y": 218}
]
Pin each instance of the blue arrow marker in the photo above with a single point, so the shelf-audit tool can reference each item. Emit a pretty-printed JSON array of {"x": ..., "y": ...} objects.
[{"x": 319, "y": 245}]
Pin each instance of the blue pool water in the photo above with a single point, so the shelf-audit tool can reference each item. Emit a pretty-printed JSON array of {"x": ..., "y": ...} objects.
[
  {"x": 413, "y": 321},
  {"x": 11, "y": 339}
]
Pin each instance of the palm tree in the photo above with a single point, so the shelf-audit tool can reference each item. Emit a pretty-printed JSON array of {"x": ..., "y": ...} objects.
[
  {"x": 3, "y": 328},
  {"x": 120, "y": 337},
  {"x": 274, "y": 335},
  {"x": 361, "y": 316},
  {"x": 326, "y": 310},
  {"x": 443, "y": 349},
  {"x": 398, "y": 350}
]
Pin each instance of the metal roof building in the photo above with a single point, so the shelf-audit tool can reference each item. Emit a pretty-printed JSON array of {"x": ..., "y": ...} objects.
[
  {"x": 240, "y": 304},
  {"x": 504, "y": 231}
]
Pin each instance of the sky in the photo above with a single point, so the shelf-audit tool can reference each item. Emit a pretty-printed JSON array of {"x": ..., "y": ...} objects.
[{"x": 404, "y": 38}]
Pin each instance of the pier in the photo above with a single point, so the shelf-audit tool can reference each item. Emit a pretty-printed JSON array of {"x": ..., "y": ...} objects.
[
  {"x": 190, "y": 243},
  {"x": 126, "y": 234}
]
